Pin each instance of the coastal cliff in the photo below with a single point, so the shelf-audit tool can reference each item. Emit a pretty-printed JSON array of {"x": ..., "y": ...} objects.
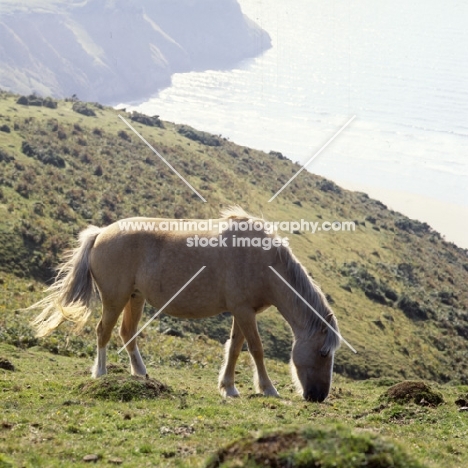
[{"x": 116, "y": 50}]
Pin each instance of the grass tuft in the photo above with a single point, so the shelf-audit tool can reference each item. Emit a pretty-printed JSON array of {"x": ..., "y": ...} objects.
[
  {"x": 325, "y": 448},
  {"x": 416, "y": 392},
  {"x": 122, "y": 388}
]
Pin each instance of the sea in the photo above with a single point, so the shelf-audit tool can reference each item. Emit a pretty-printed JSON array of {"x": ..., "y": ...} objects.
[{"x": 401, "y": 68}]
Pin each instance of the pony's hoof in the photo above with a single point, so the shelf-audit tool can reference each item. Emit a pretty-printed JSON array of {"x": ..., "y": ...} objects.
[
  {"x": 230, "y": 392},
  {"x": 271, "y": 392},
  {"x": 97, "y": 372}
]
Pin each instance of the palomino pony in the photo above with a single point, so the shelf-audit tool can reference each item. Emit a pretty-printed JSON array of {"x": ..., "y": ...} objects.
[{"x": 131, "y": 266}]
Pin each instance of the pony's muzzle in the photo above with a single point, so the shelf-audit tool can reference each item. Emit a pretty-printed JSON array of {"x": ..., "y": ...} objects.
[{"x": 315, "y": 395}]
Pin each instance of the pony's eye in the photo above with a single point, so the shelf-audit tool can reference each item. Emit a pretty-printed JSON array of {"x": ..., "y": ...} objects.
[{"x": 324, "y": 353}]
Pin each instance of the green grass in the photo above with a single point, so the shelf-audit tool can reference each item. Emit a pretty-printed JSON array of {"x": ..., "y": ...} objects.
[{"x": 47, "y": 419}]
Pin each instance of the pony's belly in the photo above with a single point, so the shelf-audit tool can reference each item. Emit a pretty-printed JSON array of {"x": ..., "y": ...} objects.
[
  {"x": 191, "y": 311},
  {"x": 193, "y": 314}
]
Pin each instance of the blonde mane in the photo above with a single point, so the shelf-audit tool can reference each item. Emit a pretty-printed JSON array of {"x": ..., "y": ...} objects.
[
  {"x": 310, "y": 291},
  {"x": 235, "y": 211}
]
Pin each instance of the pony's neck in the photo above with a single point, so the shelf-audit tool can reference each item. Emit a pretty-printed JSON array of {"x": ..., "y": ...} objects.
[{"x": 286, "y": 301}]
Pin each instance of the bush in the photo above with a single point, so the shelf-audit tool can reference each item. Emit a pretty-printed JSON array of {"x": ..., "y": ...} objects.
[
  {"x": 447, "y": 297},
  {"x": 412, "y": 309},
  {"x": 328, "y": 186},
  {"x": 277, "y": 154},
  {"x": 33, "y": 100},
  {"x": 45, "y": 156},
  {"x": 196, "y": 135},
  {"x": 82, "y": 108},
  {"x": 4, "y": 156},
  {"x": 153, "y": 121},
  {"x": 22, "y": 100},
  {"x": 124, "y": 135},
  {"x": 413, "y": 226},
  {"x": 374, "y": 289},
  {"x": 24, "y": 189},
  {"x": 405, "y": 271},
  {"x": 50, "y": 103}
]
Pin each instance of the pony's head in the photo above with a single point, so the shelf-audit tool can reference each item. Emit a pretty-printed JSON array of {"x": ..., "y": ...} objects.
[
  {"x": 312, "y": 361},
  {"x": 315, "y": 328}
]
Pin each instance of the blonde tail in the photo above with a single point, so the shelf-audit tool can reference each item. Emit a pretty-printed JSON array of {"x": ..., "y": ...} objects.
[{"x": 70, "y": 295}]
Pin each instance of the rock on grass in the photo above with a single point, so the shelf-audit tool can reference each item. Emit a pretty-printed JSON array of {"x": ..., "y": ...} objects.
[
  {"x": 123, "y": 388},
  {"x": 416, "y": 392},
  {"x": 323, "y": 448}
]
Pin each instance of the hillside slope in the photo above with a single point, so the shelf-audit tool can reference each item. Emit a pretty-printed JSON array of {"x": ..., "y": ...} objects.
[
  {"x": 118, "y": 50},
  {"x": 398, "y": 289}
]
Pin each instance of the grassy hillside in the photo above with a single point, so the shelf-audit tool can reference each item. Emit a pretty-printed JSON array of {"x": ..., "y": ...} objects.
[{"x": 397, "y": 288}]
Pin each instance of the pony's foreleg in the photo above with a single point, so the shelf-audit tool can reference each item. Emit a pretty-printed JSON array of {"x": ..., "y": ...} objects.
[
  {"x": 233, "y": 348},
  {"x": 132, "y": 315},
  {"x": 248, "y": 324},
  {"x": 110, "y": 314}
]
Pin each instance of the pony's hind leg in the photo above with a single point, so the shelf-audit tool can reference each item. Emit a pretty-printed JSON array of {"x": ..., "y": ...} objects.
[
  {"x": 247, "y": 322},
  {"x": 233, "y": 348},
  {"x": 132, "y": 315},
  {"x": 110, "y": 314}
]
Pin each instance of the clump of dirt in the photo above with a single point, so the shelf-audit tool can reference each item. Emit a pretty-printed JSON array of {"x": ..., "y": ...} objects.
[
  {"x": 462, "y": 401},
  {"x": 323, "y": 448},
  {"x": 416, "y": 392},
  {"x": 123, "y": 388},
  {"x": 6, "y": 364}
]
